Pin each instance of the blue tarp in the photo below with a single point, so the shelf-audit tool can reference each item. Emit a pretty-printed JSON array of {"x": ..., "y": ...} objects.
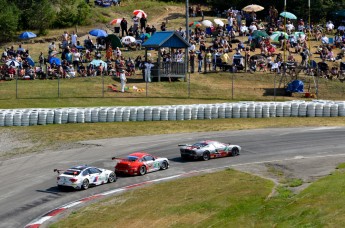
[{"x": 295, "y": 86}]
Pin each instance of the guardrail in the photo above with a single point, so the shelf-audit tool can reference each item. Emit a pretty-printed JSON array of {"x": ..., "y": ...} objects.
[{"x": 43, "y": 116}]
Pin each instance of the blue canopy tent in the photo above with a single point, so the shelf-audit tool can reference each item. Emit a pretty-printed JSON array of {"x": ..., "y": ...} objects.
[
  {"x": 296, "y": 86},
  {"x": 27, "y": 35}
]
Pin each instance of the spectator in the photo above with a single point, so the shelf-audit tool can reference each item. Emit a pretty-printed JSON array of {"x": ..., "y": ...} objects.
[
  {"x": 200, "y": 60},
  {"x": 123, "y": 80},
  {"x": 65, "y": 38},
  {"x": 329, "y": 26},
  {"x": 76, "y": 59},
  {"x": 74, "y": 39},
  {"x": 153, "y": 30},
  {"x": 148, "y": 67},
  {"x": 123, "y": 25},
  {"x": 192, "y": 61},
  {"x": 324, "y": 39},
  {"x": 135, "y": 24},
  {"x": 163, "y": 26},
  {"x": 143, "y": 22},
  {"x": 41, "y": 59},
  {"x": 243, "y": 30}
]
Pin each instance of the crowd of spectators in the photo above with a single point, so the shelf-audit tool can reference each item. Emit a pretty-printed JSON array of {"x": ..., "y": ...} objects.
[{"x": 228, "y": 47}]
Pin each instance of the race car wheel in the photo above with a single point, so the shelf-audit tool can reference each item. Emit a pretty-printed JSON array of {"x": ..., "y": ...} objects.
[
  {"x": 85, "y": 184},
  {"x": 235, "y": 152},
  {"x": 111, "y": 178},
  {"x": 142, "y": 170},
  {"x": 206, "y": 156},
  {"x": 164, "y": 165}
]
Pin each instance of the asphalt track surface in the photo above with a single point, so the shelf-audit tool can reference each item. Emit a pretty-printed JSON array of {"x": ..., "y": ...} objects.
[{"x": 28, "y": 184}]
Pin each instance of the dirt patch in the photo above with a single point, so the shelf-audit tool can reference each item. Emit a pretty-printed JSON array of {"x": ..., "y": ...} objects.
[
  {"x": 11, "y": 142},
  {"x": 283, "y": 173}
]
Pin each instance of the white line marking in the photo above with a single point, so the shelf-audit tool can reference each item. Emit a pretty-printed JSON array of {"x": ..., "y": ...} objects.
[
  {"x": 112, "y": 191},
  {"x": 71, "y": 204}
]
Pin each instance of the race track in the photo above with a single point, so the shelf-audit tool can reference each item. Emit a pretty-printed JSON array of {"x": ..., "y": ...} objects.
[{"x": 28, "y": 184}]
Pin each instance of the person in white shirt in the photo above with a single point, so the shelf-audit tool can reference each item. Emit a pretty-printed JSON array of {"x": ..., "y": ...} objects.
[
  {"x": 76, "y": 58},
  {"x": 230, "y": 22},
  {"x": 243, "y": 29},
  {"x": 123, "y": 80},
  {"x": 148, "y": 67},
  {"x": 329, "y": 26},
  {"x": 252, "y": 27},
  {"x": 117, "y": 52},
  {"x": 341, "y": 27},
  {"x": 290, "y": 27},
  {"x": 324, "y": 39},
  {"x": 74, "y": 39},
  {"x": 135, "y": 24}
]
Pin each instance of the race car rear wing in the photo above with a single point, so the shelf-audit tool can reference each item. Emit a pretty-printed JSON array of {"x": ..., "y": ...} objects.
[
  {"x": 184, "y": 145},
  {"x": 58, "y": 170}
]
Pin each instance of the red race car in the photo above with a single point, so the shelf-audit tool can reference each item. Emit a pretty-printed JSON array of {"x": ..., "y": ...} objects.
[{"x": 140, "y": 163}]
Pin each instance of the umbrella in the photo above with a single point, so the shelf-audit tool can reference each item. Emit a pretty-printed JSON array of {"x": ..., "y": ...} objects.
[
  {"x": 206, "y": 23},
  {"x": 116, "y": 21},
  {"x": 128, "y": 39},
  {"x": 275, "y": 36},
  {"x": 30, "y": 61},
  {"x": 253, "y": 7},
  {"x": 288, "y": 15},
  {"x": 97, "y": 62},
  {"x": 259, "y": 33},
  {"x": 12, "y": 63},
  {"x": 98, "y": 33},
  {"x": 27, "y": 35},
  {"x": 195, "y": 24},
  {"x": 140, "y": 13},
  {"x": 55, "y": 60},
  {"x": 218, "y": 22}
]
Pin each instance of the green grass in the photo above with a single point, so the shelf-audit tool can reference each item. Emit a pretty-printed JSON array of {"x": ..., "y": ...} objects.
[{"x": 223, "y": 199}]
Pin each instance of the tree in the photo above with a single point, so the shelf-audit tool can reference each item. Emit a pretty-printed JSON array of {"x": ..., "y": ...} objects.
[
  {"x": 9, "y": 17},
  {"x": 41, "y": 15}
]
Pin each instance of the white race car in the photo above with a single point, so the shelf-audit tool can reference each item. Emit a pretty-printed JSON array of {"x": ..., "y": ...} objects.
[
  {"x": 209, "y": 149},
  {"x": 81, "y": 177}
]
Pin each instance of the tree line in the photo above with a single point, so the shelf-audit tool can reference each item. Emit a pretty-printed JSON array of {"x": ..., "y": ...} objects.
[{"x": 41, "y": 15}]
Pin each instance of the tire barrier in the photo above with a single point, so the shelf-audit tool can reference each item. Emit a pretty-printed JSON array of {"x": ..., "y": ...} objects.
[{"x": 30, "y": 117}]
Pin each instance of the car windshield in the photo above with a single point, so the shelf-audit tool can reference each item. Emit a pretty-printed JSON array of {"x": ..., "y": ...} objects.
[
  {"x": 72, "y": 172},
  {"x": 131, "y": 158},
  {"x": 200, "y": 144}
]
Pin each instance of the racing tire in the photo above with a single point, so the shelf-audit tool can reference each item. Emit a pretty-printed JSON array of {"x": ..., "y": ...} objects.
[
  {"x": 235, "y": 152},
  {"x": 112, "y": 178},
  {"x": 85, "y": 184},
  {"x": 206, "y": 156},
  {"x": 164, "y": 165},
  {"x": 142, "y": 170}
]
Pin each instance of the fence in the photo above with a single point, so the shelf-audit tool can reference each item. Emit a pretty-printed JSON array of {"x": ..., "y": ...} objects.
[{"x": 220, "y": 85}]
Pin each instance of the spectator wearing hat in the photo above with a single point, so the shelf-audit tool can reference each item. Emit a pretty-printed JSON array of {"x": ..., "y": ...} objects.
[
  {"x": 243, "y": 29},
  {"x": 301, "y": 26}
]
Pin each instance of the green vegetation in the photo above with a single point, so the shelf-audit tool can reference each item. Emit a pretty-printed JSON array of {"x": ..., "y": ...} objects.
[{"x": 224, "y": 199}]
